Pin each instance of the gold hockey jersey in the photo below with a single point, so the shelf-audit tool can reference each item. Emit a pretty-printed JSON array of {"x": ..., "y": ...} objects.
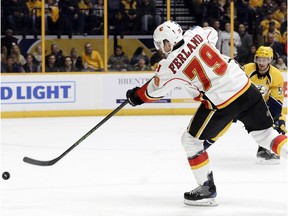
[{"x": 270, "y": 85}]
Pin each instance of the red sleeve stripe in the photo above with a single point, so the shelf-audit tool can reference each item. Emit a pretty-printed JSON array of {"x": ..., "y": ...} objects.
[
  {"x": 158, "y": 68},
  {"x": 208, "y": 35},
  {"x": 199, "y": 161},
  {"x": 142, "y": 94},
  {"x": 278, "y": 143}
]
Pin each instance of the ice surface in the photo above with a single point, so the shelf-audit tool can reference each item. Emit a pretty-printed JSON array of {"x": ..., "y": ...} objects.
[{"x": 130, "y": 166}]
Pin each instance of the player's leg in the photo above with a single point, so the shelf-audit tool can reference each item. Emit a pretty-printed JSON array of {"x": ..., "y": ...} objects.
[
  {"x": 258, "y": 122},
  {"x": 198, "y": 159},
  {"x": 205, "y": 125},
  {"x": 208, "y": 142},
  {"x": 264, "y": 156},
  {"x": 270, "y": 139}
]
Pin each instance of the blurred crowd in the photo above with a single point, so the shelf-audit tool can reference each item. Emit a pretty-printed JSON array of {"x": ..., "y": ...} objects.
[
  {"x": 86, "y": 60},
  {"x": 257, "y": 22},
  {"x": 78, "y": 17}
]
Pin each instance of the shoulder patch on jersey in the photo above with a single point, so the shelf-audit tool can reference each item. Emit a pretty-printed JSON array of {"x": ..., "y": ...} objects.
[
  {"x": 156, "y": 81},
  {"x": 280, "y": 90}
]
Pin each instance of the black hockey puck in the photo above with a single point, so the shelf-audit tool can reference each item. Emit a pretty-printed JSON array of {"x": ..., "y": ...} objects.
[{"x": 5, "y": 175}]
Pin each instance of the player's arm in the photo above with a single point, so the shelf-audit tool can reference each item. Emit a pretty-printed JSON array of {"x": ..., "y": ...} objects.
[
  {"x": 159, "y": 86},
  {"x": 153, "y": 90},
  {"x": 275, "y": 104},
  {"x": 211, "y": 35},
  {"x": 138, "y": 96},
  {"x": 276, "y": 110}
]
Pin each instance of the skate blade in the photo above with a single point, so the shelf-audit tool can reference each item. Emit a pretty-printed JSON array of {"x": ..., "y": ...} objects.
[
  {"x": 267, "y": 162},
  {"x": 203, "y": 202}
]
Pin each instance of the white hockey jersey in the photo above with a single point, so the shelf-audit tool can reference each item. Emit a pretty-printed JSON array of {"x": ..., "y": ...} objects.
[{"x": 197, "y": 65}]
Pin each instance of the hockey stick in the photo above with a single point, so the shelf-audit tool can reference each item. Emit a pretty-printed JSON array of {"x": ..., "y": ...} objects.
[{"x": 55, "y": 160}]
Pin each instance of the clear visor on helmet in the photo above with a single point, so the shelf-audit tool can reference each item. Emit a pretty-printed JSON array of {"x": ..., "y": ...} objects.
[{"x": 262, "y": 60}]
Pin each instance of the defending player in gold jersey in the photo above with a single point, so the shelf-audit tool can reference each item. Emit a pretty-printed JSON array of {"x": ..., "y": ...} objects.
[{"x": 269, "y": 80}]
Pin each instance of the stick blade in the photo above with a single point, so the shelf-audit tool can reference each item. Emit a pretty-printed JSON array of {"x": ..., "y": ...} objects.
[{"x": 38, "y": 162}]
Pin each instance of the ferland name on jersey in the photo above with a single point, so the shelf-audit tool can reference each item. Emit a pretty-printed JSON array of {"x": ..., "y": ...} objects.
[{"x": 179, "y": 60}]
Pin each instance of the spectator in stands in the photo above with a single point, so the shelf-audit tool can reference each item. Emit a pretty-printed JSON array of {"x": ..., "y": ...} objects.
[
  {"x": 249, "y": 57},
  {"x": 115, "y": 20},
  {"x": 216, "y": 10},
  {"x": 255, "y": 3},
  {"x": 266, "y": 7},
  {"x": 37, "y": 55},
  {"x": 68, "y": 65},
  {"x": 257, "y": 29},
  {"x": 85, "y": 7},
  {"x": 3, "y": 54},
  {"x": 57, "y": 52},
  {"x": 147, "y": 14},
  {"x": 50, "y": 65},
  {"x": 118, "y": 61},
  {"x": 128, "y": 10},
  {"x": 8, "y": 41},
  {"x": 272, "y": 29},
  {"x": 34, "y": 7},
  {"x": 285, "y": 41},
  {"x": 18, "y": 57},
  {"x": 97, "y": 18},
  {"x": 76, "y": 59},
  {"x": 139, "y": 52},
  {"x": 11, "y": 67},
  {"x": 51, "y": 17},
  {"x": 198, "y": 9},
  {"x": 246, "y": 42},
  {"x": 242, "y": 7},
  {"x": 216, "y": 25},
  {"x": 265, "y": 23},
  {"x": 17, "y": 15},
  {"x": 140, "y": 65},
  {"x": 246, "y": 14},
  {"x": 283, "y": 27},
  {"x": 223, "y": 43},
  {"x": 281, "y": 13},
  {"x": 205, "y": 24},
  {"x": 92, "y": 60},
  {"x": 30, "y": 65},
  {"x": 280, "y": 64},
  {"x": 69, "y": 12},
  {"x": 3, "y": 62},
  {"x": 278, "y": 48}
]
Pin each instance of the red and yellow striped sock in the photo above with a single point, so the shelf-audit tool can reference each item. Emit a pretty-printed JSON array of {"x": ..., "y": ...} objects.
[
  {"x": 199, "y": 161},
  {"x": 278, "y": 143}
]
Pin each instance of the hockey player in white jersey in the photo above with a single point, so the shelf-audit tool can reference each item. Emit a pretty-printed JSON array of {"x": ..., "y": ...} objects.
[{"x": 222, "y": 87}]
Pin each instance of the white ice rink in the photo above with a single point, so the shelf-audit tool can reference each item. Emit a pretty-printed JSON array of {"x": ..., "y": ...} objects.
[{"x": 130, "y": 166}]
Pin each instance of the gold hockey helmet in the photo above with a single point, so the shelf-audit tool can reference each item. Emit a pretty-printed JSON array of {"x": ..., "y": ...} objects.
[{"x": 263, "y": 53}]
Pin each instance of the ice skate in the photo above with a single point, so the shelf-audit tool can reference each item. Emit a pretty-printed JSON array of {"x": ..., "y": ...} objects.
[
  {"x": 267, "y": 157},
  {"x": 204, "y": 195}
]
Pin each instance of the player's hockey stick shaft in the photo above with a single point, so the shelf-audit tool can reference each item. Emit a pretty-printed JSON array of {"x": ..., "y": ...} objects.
[{"x": 55, "y": 160}]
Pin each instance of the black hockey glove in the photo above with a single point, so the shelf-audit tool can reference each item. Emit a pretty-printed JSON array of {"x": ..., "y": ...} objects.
[
  {"x": 133, "y": 98},
  {"x": 279, "y": 125}
]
